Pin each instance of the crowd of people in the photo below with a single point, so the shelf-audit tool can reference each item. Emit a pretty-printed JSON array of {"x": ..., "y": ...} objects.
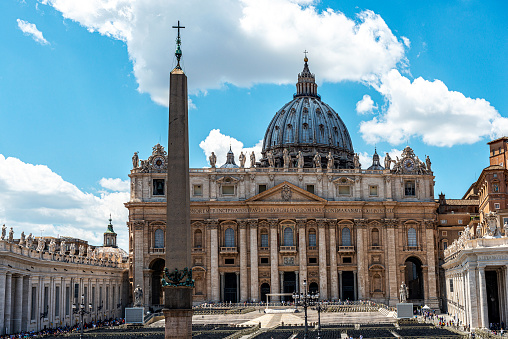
[{"x": 61, "y": 330}]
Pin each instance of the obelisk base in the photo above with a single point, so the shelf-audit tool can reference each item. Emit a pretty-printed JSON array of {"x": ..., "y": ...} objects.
[{"x": 178, "y": 312}]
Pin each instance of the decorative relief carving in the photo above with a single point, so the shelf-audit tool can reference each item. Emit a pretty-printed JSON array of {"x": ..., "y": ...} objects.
[
  {"x": 138, "y": 224},
  {"x": 289, "y": 261},
  {"x": 286, "y": 193},
  {"x": 360, "y": 223}
]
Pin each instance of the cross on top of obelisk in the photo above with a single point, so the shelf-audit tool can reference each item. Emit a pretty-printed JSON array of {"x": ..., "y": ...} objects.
[
  {"x": 178, "y": 52},
  {"x": 305, "y": 52}
]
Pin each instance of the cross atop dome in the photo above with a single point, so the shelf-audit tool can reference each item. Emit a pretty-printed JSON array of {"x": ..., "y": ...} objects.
[{"x": 306, "y": 85}]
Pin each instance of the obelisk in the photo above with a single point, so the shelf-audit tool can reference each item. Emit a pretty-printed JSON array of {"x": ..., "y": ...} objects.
[{"x": 177, "y": 277}]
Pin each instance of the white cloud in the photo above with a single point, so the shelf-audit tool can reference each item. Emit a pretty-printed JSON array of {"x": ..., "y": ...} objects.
[
  {"x": 222, "y": 37},
  {"x": 116, "y": 184},
  {"x": 366, "y": 105},
  {"x": 430, "y": 111},
  {"x": 219, "y": 144},
  {"x": 31, "y": 30},
  {"x": 34, "y": 199},
  {"x": 191, "y": 104},
  {"x": 406, "y": 41}
]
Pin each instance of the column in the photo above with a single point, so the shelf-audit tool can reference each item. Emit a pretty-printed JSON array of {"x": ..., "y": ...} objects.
[
  {"x": 360, "y": 258},
  {"x": 333, "y": 261},
  {"x": 482, "y": 289},
  {"x": 8, "y": 303},
  {"x": 147, "y": 274},
  {"x": 297, "y": 288},
  {"x": 392, "y": 262},
  {"x": 18, "y": 303},
  {"x": 2, "y": 301},
  {"x": 431, "y": 263},
  {"x": 222, "y": 286},
  {"x": 506, "y": 290},
  {"x": 323, "y": 277},
  {"x": 281, "y": 281},
  {"x": 254, "y": 280},
  {"x": 274, "y": 262},
  {"x": 244, "y": 286},
  {"x": 237, "y": 286},
  {"x": 214, "y": 261},
  {"x": 340, "y": 286},
  {"x": 302, "y": 250},
  {"x": 355, "y": 284},
  {"x": 138, "y": 253}
]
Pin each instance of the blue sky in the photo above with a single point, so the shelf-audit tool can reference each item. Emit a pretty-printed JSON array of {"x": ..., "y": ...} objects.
[{"x": 84, "y": 84}]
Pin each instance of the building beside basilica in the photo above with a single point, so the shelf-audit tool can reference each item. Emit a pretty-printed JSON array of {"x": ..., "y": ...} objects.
[{"x": 307, "y": 210}]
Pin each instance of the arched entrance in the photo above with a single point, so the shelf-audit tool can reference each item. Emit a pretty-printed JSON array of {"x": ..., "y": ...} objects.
[
  {"x": 265, "y": 289},
  {"x": 414, "y": 278},
  {"x": 230, "y": 287},
  {"x": 313, "y": 287},
  {"x": 491, "y": 279},
  {"x": 289, "y": 284},
  {"x": 157, "y": 267},
  {"x": 348, "y": 285}
]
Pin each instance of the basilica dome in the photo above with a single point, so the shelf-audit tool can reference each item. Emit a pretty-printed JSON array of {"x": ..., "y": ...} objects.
[{"x": 307, "y": 125}]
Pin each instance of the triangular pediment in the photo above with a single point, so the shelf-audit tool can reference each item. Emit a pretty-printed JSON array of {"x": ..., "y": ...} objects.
[{"x": 286, "y": 192}]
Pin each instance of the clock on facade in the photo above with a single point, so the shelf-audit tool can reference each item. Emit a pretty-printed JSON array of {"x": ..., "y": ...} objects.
[
  {"x": 409, "y": 164},
  {"x": 158, "y": 163}
]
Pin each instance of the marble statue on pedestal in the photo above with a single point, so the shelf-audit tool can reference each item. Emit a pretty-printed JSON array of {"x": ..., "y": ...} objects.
[
  {"x": 403, "y": 293},
  {"x": 138, "y": 297}
]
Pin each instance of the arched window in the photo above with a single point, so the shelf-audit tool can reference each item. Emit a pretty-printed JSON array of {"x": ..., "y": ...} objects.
[
  {"x": 158, "y": 239},
  {"x": 411, "y": 237},
  {"x": 198, "y": 239},
  {"x": 375, "y": 237},
  {"x": 288, "y": 236},
  {"x": 312, "y": 237},
  {"x": 346, "y": 237},
  {"x": 445, "y": 244},
  {"x": 229, "y": 237}
]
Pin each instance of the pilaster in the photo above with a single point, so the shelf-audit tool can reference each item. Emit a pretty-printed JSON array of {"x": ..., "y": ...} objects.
[
  {"x": 138, "y": 226},
  {"x": 323, "y": 277},
  {"x": 302, "y": 259},
  {"x": 482, "y": 289},
  {"x": 214, "y": 260},
  {"x": 391, "y": 238},
  {"x": 334, "y": 288},
  {"x": 2, "y": 301},
  {"x": 431, "y": 263},
  {"x": 8, "y": 303},
  {"x": 18, "y": 303},
  {"x": 360, "y": 257}
]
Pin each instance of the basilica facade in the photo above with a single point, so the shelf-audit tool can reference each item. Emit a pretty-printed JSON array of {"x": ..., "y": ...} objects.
[{"x": 307, "y": 210}]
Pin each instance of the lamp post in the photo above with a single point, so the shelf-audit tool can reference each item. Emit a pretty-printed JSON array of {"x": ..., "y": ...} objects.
[
  {"x": 81, "y": 310},
  {"x": 305, "y": 300},
  {"x": 319, "y": 308}
]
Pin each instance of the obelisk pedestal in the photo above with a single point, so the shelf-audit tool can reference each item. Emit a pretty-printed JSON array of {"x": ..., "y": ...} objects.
[{"x": 177, "y": 278}]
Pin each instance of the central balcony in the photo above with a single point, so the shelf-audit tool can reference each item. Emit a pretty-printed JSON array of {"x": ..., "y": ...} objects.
[
  {"x": 346, "y": 249},
  {"x": 287, "y": 249},
  {"x": 228, "y": 250}
]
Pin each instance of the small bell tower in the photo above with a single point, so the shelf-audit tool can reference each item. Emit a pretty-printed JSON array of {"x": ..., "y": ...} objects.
[{"x": 110, "y": 235}]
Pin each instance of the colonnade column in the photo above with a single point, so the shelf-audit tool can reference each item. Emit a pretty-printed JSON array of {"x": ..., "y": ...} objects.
[
  {"x": 431, "y": 263},
  {"x": 482, "y": 287},
  {"x": 214, "y": 261},
  {"x": 274, "y": 260},
  {"x": 302, "y": 250},
  {"x": 2, "y": 301},
  {"x": 392, "y": 261},
  {"x": 323, "y": 277},
  {"x": 18, "y": 303},
  {"x": 360, "y": 258},
  {"x": 333, "y": 261},
  {"x": 244, "y": 292},
  {"x": 8, "y": 303},
  {"x": 254, "y": 280}
]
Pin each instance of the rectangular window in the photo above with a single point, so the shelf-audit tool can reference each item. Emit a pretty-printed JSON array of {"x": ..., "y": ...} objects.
[
  {"x": 312, "y": 260},
  {"x": 497, "y": 206},
  {"x": 228, "y": 190},
  {"x": 34, "y": 303},
  {"x": 451, "y": 285},
  {"x": 229, "y": 261},
  {"x": 409, "y": 188},
  {"x": 505, "y": 221},
  {"x": 445, "y": 245},
  {"x": 310, "y": 188},
  {"x": 261, "y": 188},
  {"x": 373, "y": 191},
  {"x": 264, "y": 240},
  {"x": 264, "y": 260},
  {"x": 444, "y": 221},
  {"x": 312, "y": 239},
  {"x": 459, "y": 221},
  {"x": 344, "y": 190},
  {"x": 67, "y": 300},
  {"x": 158, "y": 186},
  {"x": 198, "y": 190},
  {"x": 444, "y": 233},
  {"x": 57, "y": 301},
  {"x": 347, "y": 260}
]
